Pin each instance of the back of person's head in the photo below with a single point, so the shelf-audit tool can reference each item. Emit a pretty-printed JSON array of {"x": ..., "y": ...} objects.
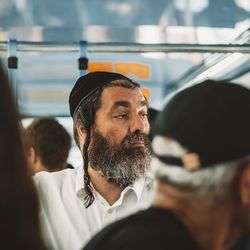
[
  {"x": 201, "y": 137},
  {"x": 47, "y": 140},
  {"x": 19, "y": 228}
]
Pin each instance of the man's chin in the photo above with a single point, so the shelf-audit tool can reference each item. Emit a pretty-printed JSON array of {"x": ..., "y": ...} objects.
[{"x": 143, "y": 151}]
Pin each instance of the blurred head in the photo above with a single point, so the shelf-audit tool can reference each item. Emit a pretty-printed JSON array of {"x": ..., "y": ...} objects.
[
  {"x": 111, "y": 127},
  {"x": 18, "y": 199},
  {"x": 47, "y": 144},
  {"x": 202, "y": 144},
  {"x": 152, "y": 114}
]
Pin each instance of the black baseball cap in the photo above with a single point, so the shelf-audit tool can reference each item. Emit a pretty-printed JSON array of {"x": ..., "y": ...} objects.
[{"x": 210, "y": 120}]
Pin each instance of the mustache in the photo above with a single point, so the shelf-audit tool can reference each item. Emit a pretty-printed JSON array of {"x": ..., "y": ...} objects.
[{"x": 135, "y": 137}]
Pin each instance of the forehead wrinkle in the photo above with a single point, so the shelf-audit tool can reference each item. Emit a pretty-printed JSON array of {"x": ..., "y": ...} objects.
[{"x": 126, "y": 104}]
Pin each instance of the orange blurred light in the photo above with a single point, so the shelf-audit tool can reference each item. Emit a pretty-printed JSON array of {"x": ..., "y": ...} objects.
[{"x": 139, "y": 70}]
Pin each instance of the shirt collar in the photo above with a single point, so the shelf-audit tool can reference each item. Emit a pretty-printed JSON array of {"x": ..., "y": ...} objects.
[{"x": 137, "y": 186}]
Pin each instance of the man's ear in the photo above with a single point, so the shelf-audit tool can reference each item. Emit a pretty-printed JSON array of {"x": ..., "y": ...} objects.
[
  {"x": 81, "y": 132},
  {"x": 32, "y": 155},
  {"x": 244, "y": 185}
]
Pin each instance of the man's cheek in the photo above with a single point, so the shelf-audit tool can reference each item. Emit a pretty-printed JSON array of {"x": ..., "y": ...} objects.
[{"x": 115, "y": 139}]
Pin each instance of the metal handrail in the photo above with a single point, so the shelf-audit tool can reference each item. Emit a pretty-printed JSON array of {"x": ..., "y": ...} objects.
[{"x": 117, "y": 47}]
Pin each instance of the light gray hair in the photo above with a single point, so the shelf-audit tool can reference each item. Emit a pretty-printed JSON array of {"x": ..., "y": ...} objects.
[{"x": 207, "y": 183}]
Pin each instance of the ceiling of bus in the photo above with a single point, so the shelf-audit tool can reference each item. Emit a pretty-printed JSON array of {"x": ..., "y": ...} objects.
[
  {"x": 45, "y": 79},
  {"x": 123, "y": 13}
]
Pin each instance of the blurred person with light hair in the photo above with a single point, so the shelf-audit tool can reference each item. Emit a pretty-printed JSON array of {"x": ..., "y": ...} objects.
[{"x": 202, "y": 156}]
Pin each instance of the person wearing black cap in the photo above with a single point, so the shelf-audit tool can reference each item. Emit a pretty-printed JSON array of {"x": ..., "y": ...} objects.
[
  {"x": 111, "y": 128},
  {"x": 202, "y": 200}
]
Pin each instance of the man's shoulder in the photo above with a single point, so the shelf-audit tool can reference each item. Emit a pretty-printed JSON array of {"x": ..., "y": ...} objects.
[
  {"x": 43, "y": 176},
  {"x": 45, "y": 179}
]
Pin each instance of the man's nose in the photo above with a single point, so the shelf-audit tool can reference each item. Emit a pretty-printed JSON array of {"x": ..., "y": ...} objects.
[{"x": 139, "y": 124}]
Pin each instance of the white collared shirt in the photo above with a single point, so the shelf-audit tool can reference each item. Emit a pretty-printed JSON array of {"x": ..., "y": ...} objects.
[{"x": 66, "y": 223}]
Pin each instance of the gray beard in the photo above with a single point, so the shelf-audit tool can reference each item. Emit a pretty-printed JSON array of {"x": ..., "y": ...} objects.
[{"x": 121, "y": 165}]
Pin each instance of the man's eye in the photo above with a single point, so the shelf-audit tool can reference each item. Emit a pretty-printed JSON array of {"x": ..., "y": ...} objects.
[
  {"x": 144, "y": 116},
  {"x": 122, "y": 116}
]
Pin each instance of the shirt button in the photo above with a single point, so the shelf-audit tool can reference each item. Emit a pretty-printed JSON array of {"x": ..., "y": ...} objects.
[{"x": 110, "y": 210}]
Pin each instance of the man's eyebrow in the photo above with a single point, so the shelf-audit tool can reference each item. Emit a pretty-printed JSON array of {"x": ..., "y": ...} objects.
[
  {"x": 120, "y": 104},
  {"x": 144, "y": 103}
]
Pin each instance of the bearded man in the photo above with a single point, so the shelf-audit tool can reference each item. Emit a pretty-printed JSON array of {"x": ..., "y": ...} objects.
[{"x": 110, "y": 115}]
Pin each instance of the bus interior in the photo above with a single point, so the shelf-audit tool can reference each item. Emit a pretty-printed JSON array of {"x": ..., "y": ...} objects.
[{"x": 164, "y": 45}]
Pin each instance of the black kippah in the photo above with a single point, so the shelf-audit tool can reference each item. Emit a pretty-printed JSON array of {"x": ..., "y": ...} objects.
[{"x": 88, "y": 84}]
